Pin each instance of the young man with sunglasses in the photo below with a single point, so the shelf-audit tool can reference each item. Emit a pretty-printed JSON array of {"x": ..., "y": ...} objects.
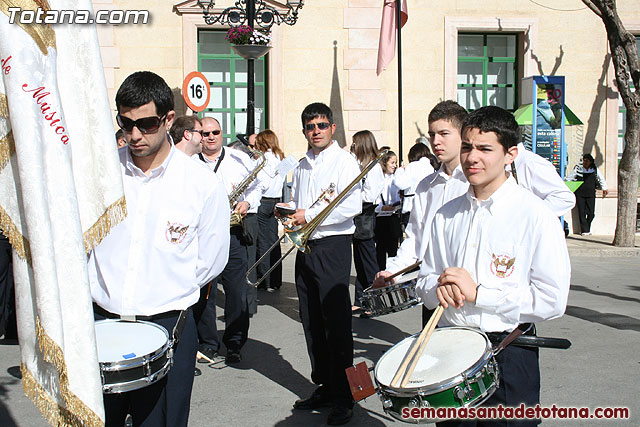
[
  {"x": 175, "y": 239},
  {"x": 186, "y": 133},
  {"x": 322, "y": 275},
  {"x": 231, "y": 166}
]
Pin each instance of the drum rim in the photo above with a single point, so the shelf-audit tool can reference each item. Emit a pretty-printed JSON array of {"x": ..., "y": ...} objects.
[
  {"x": 447, "y": 383},
  {"x": 138, "y": 360},
  {"x": 394, "y": 309},
  {"x": 390, "y": 288},
  {"x": 123, "y": 387}
]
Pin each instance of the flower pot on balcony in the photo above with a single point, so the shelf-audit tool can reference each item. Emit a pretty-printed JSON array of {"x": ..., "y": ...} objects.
[{"x": 250, "y": 51}]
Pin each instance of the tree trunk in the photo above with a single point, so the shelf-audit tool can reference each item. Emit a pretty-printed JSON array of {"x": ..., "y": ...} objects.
[{"x": 624, "y": 53}]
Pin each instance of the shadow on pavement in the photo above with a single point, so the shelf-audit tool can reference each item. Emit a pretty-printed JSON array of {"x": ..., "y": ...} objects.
[
  {"x": 613, "y": 320},
  {"x": 285, "y": 300},
  {"x": 5, "y": 383},
  {"x": 581, "y": 288},
  {"x": 361, "y": 417}
]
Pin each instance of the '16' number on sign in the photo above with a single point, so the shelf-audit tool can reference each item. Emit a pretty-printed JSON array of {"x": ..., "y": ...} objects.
[{"x": 195, "y": 91}]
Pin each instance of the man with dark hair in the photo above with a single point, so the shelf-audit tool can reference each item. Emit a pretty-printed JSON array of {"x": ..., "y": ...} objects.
[
  {"x": 174, "y": 240},
  {"x": 120, "y": 141},
  {"x": 186, "y": 133},
  {"x": 322, "y": 274},
  {"x": 496, "y": 258}
]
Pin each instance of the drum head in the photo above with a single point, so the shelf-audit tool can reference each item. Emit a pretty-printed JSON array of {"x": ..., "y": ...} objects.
[
  {"x": 119, "y": 340},
  {"x": 449, "y": 352},
  {"x": 407, "y": 277}
]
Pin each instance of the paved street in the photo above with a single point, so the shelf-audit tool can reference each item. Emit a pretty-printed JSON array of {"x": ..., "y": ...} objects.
[{"x": 600, "y": 369}]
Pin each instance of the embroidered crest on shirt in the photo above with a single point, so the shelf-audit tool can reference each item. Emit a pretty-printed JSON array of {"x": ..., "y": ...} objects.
[
  {"x": 176, "y": 232},
  {"x": 502, "y": 265}
]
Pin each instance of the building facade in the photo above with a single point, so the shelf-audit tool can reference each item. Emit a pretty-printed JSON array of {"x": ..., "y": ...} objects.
[{"x": 473, "y": 51}]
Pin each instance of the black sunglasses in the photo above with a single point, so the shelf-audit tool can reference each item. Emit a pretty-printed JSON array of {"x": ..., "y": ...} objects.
[
  {"x": 196, "y": 130},
  {"x": 322, "y": 126},
  {"x": 144, "y": 125},
  {"x": 212, "y": 132}
]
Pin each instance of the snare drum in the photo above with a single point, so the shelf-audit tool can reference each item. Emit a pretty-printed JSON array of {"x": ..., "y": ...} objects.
[
  {"x": 132, "y": 355},
  {"x": 457, "y": 369},
  {"x": 399, "y": 296}
]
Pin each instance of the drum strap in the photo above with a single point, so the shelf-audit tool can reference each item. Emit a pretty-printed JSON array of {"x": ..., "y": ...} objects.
[{"x": 177, "y": 330}]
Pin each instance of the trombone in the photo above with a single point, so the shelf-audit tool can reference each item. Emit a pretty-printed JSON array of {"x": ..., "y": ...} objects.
[{"x": 299, "y": 236}]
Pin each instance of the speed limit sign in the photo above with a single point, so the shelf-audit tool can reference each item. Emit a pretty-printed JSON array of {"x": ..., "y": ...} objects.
[{"x": 196, "y": 91}]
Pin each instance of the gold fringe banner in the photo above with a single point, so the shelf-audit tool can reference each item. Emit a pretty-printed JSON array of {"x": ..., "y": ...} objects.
[
  {"x": 42, "y": 34},
  {"x": 19, "y": 243},
  {"x": 112, "y": 217},
  {"x": 4, "y": 106},
  {"x": 7, "y": 149},
  {"x": 52, "y": 353},
  {"x": 55, "y": 414}
]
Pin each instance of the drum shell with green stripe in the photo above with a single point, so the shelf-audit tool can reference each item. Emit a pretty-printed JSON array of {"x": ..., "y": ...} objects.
[{"x": 475, "y": 382}]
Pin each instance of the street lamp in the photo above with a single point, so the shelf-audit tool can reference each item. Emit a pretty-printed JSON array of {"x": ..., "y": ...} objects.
[{"x": 251, "y": 13}]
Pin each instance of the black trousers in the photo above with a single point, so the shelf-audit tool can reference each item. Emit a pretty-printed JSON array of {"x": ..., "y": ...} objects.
[
  {"x": 7, "y": 301},
  {"x": 166, "y": 402},
  {"x": 267, "y": 236},
  {"x": 251, "y": 227},
  {"x": 586, "y": 211},
  {"x": 236, "y": 308},
  {"x": 519, "y": 383},
  {"x": 364, "y": 259},
  {"x": 387, "y": 240},
  {"x": 322, "y": 281}
]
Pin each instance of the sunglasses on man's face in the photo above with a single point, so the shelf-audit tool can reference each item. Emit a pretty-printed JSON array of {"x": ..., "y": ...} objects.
[
  {"x": 144, "y": 125},
  {"x": 211, "y": 132},
  {"x": 196, "y": 131},
  {"x": 322, "y": 126}
]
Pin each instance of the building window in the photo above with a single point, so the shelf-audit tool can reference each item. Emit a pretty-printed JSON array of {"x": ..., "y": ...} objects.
[
  {"x": 487, "y": 70},
  {"x": 227, "y": 75},
  {"x": 622, "y": 114}
]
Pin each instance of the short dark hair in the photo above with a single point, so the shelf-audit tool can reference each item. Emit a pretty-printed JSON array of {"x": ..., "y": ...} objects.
[
  {"x": 142, "y": 87},
  {"x": 181, "y": 124},
  {"x": 418, "y": 151},
  {"x": 450, "y": 111},
  {"x": 119, "y": 134},
  {"x": 497, "y": 120},
  {"x": 315, "y": 110}
]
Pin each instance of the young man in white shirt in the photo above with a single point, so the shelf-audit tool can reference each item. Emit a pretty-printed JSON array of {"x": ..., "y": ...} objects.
[
  {"x": 322, "y": 274},
  {"x": 231, "y": 166},
  {"x": 186, "y": 133},
  {"x": 496, "y": 257},
  {"x": 173, "y": 241}
]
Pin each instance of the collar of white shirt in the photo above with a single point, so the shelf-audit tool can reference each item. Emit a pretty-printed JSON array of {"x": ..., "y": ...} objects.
[
  {"x": 497, "y": 199},
  {"x": 155, "y": 173}
]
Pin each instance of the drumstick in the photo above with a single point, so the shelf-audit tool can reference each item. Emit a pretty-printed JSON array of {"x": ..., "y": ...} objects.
[
  {"x": 404, "y": 270},
  {"x": 416, "y": 349}
]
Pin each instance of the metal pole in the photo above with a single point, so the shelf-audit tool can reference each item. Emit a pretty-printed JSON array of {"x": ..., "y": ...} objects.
[
  {"x": 399, "y": 22},
  {"x": 251, "y": 13}
]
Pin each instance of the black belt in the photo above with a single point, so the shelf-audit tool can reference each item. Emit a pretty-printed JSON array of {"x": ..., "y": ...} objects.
[
  {"x": 109, "y": 315},
  {"x": 409, "y": 195},
  {"x": 271, "y": 198}
]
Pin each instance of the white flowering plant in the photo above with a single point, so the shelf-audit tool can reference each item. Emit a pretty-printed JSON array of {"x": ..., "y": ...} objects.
[{"x": 245, "y": 35}]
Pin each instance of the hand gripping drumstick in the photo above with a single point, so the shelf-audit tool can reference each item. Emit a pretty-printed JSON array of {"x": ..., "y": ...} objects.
[
  {"x": 404, "y": 270},
  {"x": 415, "y": 350}
]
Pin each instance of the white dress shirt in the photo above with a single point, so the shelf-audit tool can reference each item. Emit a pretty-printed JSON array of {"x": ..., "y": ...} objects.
[
  {"x": 538, "y": 175},
  {"x": 313, "y": 175},
  {"x": 409, "y": 177},
  {"x": 273, "y": 180},
  {"x": 431, "y": 194},
  {"x": 235, "y": 166},
  {"x": 174, "y": 239},
  {"x": 372, "y": 184},
  {"x": 513, "y": 247}
]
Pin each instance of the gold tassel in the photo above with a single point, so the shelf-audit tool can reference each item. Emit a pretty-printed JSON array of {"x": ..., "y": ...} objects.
[
  {"x": 42, "y": 34},
  {"x": 19, "y": 243},
  {"x": 81, "y": 414},
  {"x": 109, "y": 219}
]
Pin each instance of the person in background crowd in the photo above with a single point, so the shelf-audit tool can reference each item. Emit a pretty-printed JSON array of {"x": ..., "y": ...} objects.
[
  {"x": 267, "y": 142},
  {"x": 388, "y": 229},
  {"x": 592, "y": 179},
  {"x": 186, "y": 133},
  {"x": 408, "y": 177},
  {"x": 365, "y": 149},
  {"x": 120, "y": 140}
]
